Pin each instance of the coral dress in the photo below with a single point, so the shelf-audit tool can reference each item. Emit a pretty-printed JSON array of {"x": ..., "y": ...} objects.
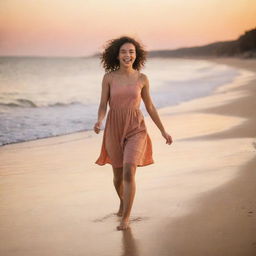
[{"x": 125, "y": 137}]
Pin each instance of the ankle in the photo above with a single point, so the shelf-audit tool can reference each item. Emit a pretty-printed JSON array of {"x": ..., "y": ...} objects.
[{"x": 125, "y": 219}]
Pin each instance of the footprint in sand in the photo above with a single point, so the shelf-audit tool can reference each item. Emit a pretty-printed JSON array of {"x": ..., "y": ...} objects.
[
  {"x": 104, "y": 218},
  {"x": 135, "y": 219},
  {"x": 132, "y": 219}
]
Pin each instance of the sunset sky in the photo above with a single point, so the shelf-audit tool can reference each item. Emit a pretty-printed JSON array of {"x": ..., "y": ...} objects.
[{"x": 81, "y": 27}]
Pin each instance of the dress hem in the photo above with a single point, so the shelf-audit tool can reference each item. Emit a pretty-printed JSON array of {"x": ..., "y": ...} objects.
[{"x": 138, "y": 165}]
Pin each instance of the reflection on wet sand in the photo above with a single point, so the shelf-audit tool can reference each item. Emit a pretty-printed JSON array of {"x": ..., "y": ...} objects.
[{"x": 130, "y": 246}]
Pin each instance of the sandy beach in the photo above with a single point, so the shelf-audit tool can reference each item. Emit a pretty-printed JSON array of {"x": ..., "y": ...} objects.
[{"x": 197, "y": 199}]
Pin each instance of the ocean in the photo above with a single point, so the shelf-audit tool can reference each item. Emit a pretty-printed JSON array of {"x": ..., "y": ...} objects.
[{"x": 42, "y": 97}]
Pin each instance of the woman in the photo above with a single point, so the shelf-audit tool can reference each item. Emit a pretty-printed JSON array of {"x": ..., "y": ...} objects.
[{"x": 126, "y": 143}]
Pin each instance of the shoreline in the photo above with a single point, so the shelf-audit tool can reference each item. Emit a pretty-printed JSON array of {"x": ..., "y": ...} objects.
[
  {"x": 197, "y": 199},
  {"x": 170, "y": 106}
]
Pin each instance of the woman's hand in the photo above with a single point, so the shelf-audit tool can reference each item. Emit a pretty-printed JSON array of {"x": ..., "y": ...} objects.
[
  {"x": 168, "y": 137},
  {"x": 97, "y": 127}
]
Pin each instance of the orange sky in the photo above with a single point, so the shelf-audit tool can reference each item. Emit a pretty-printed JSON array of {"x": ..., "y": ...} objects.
[{"x": 81, "y": 27}]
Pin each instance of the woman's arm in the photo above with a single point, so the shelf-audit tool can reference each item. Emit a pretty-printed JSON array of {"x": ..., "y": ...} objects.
[
  {"x": 103, "y": 102},
  {"x": 145, "y": 94}
]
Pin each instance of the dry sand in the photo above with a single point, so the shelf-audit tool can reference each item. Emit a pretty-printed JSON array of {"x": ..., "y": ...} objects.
[{"x": 197, "y": 199}]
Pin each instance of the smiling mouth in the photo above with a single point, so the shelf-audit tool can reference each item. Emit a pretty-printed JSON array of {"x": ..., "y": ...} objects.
[{"x": 127, "y": 61}]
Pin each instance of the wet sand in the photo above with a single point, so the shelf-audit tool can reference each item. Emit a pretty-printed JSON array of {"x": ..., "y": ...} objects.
[{"x": 197, "y": 199}]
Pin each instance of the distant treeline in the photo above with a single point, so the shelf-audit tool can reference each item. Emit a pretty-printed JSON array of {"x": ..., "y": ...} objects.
[{"x": 244, "y": 46}]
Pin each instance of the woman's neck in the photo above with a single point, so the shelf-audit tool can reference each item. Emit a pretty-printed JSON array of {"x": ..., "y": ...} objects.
[{"x": 127, "y": 71}]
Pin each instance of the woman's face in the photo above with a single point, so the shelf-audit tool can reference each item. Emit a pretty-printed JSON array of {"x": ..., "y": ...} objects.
[{"x": 127, "y": 54}]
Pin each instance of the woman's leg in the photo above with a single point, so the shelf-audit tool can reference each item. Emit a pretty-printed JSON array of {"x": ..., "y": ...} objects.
[
  {"x": 129, "y": 171},
  {"x": 118, "y": 183}
]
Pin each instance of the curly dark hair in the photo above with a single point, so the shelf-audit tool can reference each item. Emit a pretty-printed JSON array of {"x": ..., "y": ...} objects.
[{"x": 109, "y": 56}]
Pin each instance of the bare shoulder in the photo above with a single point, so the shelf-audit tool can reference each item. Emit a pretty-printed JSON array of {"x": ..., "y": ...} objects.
[
  {"x": 107, "y": 78},
  {"x": 144, "y": 79}
]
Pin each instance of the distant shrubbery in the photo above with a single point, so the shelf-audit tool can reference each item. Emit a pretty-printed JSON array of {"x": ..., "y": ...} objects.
[
  {"x": 247, "y": 42},
  {"x": 244, "y": 46}
]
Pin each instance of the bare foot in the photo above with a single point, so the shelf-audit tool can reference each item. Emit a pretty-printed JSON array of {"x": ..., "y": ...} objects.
[
  {"x": 120, "y": 211},
  {"x": 124, "y": 224}
]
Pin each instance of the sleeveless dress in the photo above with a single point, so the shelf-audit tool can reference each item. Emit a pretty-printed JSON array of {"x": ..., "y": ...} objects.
[{"x": 125, "y": 137}]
